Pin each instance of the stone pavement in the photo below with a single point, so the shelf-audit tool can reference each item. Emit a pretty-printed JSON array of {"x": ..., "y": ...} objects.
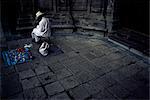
[{"x": 89, "y": 68}]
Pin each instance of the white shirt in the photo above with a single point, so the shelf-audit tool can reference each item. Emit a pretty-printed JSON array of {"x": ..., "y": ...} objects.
[{"x": 43, "y": 28}]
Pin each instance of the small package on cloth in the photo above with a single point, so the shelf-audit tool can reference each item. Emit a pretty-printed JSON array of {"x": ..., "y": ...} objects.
[{"x": 44, "y": 48}]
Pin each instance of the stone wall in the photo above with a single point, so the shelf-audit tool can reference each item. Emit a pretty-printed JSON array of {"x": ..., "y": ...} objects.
[
  {"x": 66, "y": 15},
  {"x": 87, "y": 14}
]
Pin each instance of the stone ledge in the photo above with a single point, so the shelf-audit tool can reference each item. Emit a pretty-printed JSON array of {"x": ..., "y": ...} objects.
[
  {"x": 78, "y": 26},
  {"x": 134, "y": 51},
  {"x": 65, "y": 27}
]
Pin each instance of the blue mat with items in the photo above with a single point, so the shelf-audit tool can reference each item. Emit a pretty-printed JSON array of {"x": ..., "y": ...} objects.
[{"x": 16, "y": 56}]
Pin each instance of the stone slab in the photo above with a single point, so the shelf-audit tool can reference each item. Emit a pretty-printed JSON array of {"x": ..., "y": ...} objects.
[
  {"x": 47, "y": 78},
  {"x": 79, "y": 93},
  {"x": 69, "y": 82},
  {"x": 54, "y": 88},
  {"x": 26, "y": 74},
  {"x": 36, "y": 93},
  {"x": 30, "y": 83}
]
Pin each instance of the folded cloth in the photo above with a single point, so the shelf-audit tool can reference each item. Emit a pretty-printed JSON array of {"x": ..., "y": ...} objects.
[
  {"x": 44, "y": 48},
  {"x": 28, "y": 45}
]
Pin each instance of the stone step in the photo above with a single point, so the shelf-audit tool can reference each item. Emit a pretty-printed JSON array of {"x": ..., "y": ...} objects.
[
  {"x": 24, "y": 31},
  {"x": 132, "y": 43},
  {"x": 26, "y": 14},
  {"x": 24, "y": 24},
  {"x": 24, "y": 28},
  {"x": 25, "y": 20}
]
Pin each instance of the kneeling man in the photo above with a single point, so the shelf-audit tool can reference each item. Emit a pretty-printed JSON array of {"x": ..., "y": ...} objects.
[{"x": 42, "y": 28}]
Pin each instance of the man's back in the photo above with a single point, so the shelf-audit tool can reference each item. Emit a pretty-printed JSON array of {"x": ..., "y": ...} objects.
[{"x": 44, "y": 27}]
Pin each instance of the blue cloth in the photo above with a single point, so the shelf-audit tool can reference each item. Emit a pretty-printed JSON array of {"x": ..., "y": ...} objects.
[{"x": 16, "y": 56}]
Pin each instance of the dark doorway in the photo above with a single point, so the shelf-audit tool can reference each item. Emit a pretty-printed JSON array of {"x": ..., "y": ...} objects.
[
  {"x": 17, "y": 15},
  {"x": 134, "y": 14},
  {"x": 8, "y": 15},
  {"x": 132, "y": 25},
  {"x": 25, "y": 16}
]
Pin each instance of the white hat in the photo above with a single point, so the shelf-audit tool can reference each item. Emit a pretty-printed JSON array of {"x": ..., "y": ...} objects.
[{"x": 39, "y": 13}]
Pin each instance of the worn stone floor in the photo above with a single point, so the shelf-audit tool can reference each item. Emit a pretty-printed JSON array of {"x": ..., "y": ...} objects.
[{"x": 89, "y": 68}]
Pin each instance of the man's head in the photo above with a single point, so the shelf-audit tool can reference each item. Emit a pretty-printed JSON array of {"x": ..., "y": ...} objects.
[{"x": 39, "y": 14}]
